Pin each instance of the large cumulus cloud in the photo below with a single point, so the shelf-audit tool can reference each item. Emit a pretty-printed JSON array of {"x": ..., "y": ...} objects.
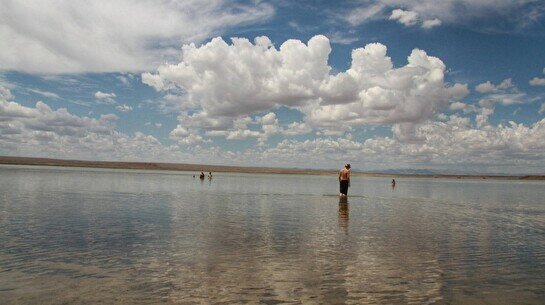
[
  {"x": 222, "y": 82},
  {"x": 373, "y": 91}
]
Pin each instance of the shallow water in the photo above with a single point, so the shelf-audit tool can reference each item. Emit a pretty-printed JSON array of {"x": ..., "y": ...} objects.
[{"x": 80, "y": 236}]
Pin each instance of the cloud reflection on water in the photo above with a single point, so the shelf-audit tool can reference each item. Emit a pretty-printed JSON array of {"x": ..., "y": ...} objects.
[{"x": 124, "y": 237}]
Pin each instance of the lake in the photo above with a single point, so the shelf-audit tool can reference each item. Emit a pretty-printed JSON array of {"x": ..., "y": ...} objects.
[{"x": 79, "y": 236}]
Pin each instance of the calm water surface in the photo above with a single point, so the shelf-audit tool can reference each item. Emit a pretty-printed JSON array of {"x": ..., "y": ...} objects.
[{"x": 79, "y": 236}]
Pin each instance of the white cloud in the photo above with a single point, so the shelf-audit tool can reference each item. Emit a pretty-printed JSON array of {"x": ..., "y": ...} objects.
[
  {"x": 486, "y": 110},
  {"x": 488, "y": 87},
  {"x": 240, "y": 134},
  {"x": 372, "y": 91},
  {"x": 124, "y": 108},
  {"x": 45, "y": 132},
  {"x": 224, "y": 82},
  {"x": 65, "y": 79},
  {"x": 536, "y": 81},
  {"x": 431, "y": 23},
  {"x": 240, "y": 129},
  {"x": 259, "y": 77},
  {"x": 505, "y": 93},
  {"x": 507, "y": 84},
  {"x": 430, "y": 144},
  {"x": 43, "y": 119},
  {"x": 486, "y": 104},
  {"x": 410, "y": 18},
  {"x": 342, "y": 38},
  {"x": 481, "y": 119},
  {"x": 458, "y": 106},
  {"x": 5, "y": 93},
  {"x": 366, "y": 13},
  {"x": 481, "y": 15},
  {"x": 149, "y": 124},
  {"x": 125, "y": 79},
  {"x": 183, "y": 136},
  {"x": 454, "y": 142},
  {"x": 269, "y": 127},
  {"x": 102, "y": 95},
  {"x": 296, "y": 128},
  {"x": 407, "y": 18},
  {"x": 102, "y": 36},
  {"x": 509, "y": 98},
  {"x": 106, "y": 98},
  {"x": 542, "y": 108},
  {"x": 44, "y": 93},
  {"x": 442, "y": 117},
  {"x": 110, "y": 118}
]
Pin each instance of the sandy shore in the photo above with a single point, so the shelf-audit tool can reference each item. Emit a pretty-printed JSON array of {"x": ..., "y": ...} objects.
[{"x": 234, "y": 169}]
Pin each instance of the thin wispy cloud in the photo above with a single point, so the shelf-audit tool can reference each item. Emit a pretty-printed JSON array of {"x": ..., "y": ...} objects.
[
  {"x": 125, "y": 35},
  {"x": 478, "y": 15},
  {"x": 44, "y": 93}
]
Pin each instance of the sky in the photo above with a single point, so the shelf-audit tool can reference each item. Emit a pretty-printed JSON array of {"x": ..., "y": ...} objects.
[{"x": 454, "y": 86}]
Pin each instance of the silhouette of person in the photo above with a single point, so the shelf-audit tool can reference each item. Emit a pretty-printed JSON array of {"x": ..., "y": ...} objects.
[{"x": 344, "y": 180}]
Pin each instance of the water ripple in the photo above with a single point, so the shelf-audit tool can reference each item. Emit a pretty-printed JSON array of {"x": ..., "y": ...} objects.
[{"x": 119, "y": 237}]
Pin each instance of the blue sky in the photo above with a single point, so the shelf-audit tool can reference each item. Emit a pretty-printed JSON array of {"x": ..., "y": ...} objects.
[{"x": 455, "y": 86}]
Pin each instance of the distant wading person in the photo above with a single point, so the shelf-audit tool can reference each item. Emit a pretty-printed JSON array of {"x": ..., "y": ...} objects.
[
  {"x": 201, "y": 176},
  {"x": 344, "y": 180}
]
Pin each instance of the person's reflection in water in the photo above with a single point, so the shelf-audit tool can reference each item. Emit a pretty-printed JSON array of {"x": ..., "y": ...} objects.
[{"x": 343, "y": 214}]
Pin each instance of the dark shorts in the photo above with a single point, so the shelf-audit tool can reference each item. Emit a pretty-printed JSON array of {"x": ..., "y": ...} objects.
[{"x": 343, "y": 187}]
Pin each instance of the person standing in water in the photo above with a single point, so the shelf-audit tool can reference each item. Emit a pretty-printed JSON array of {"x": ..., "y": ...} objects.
[
  {"x": 344, "y": 180},
  {"x": 201, "y": 176}
]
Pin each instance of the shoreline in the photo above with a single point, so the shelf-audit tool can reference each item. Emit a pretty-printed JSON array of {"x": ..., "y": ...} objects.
[{"x": 235, "y": 169}]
